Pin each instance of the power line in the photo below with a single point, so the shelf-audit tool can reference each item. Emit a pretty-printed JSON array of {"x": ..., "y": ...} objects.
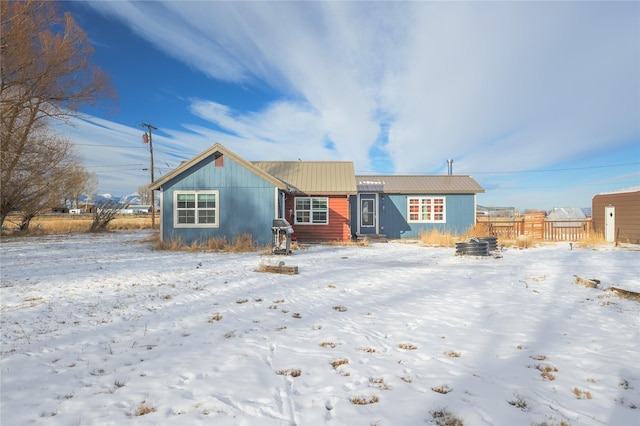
[
  {"x": 520, "y": 171},
  {"x": 566, "y": 169}
]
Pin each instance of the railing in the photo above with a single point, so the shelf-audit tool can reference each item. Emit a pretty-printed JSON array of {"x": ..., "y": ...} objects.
[{"x": 539, "y": 227}]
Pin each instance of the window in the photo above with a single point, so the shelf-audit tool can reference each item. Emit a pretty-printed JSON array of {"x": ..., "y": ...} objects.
[
  {"x": 312, "y": 210},
  {"x": 426, "y": 210},
  {"x": 366, "y": 207},
  {"x": 195, "y": 209}
]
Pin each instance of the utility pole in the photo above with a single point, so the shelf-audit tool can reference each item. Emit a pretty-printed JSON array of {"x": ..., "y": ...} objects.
[{"x": 153, "y": 201}]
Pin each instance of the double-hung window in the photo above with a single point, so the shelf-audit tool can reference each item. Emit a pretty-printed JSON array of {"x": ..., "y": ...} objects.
[
  {"x": 312, "y": 210},
  {"x": 195, "y": 209},
  {"x": 427, "y": 210}
]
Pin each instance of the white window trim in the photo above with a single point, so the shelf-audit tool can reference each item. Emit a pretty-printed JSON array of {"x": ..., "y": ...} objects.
[
  {"x": 444, "y": 210},
  {"x": 196, "y": 225},
  {"x": 295, "y": 204}
]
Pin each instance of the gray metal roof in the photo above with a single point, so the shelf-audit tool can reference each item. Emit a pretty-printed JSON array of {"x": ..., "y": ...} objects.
[
  {"x": 560, "y": 213},
  {"x": 313, "y": 177},
  {"x": 434, "y": 184}
]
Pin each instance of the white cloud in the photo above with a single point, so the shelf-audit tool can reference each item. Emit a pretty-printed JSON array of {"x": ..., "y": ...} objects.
[{"x": 490, "y": 84}]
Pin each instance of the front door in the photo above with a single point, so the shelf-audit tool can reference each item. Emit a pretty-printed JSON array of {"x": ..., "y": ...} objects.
[
  {"x": 610, "y": 223},
  {"x": 367, "y": 213}
]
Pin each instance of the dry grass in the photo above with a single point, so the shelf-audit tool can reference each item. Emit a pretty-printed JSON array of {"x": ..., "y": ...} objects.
[
  {"x": 215, "y": 317},
  {"x": 379, "y": 383},
  {"x": 339, "y": 362},
  {"x": 407, "y": 346},
  {"x": 581, "y": 394},
  {"x": 360, "y": 243},
  {"x": 68, "y": 224},
  {"x": 328, "y": 345},
  {"x": 552, "y": 422},
  {"x": 242, "y": 244},
  {"x": 546, "y": 371},
  {"x": 293, "y": 372},
  {"x": 443, "y": 389},
  {"x": 143, "y": 409},
  {"x": 438, "y": 238},
  {"x": 594, "y": 239},
  {"x": 365, "y": 400},
  {"x": 519, "y": 402},
  {"x": 443, "y": 417},
  {"x": 453, "y": 354}
]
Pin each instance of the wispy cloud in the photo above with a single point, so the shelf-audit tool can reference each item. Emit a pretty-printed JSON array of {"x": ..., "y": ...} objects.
[{"x": 490, "y": 84}]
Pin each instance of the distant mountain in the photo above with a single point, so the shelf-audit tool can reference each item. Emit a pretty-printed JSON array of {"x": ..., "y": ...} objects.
[{"x": 106, "y": 198}]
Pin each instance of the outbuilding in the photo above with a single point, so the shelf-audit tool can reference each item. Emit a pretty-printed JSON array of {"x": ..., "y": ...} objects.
[{"x": 616, "y": 215}]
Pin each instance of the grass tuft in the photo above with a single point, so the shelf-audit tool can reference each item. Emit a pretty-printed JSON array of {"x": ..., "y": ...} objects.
[
  {"x": 443, "y": 389},
  {"x": 364, "y": 400},
  {"x": 339, "y": 362},
  {"x": 443, "y": 417},
  {"x": 407, "y": 346},
  {"x": 293, "y": 372},
  {"x": 144, "y": 408},
  {"x": 581, "y": 394},
  {"x": 519, "y": 402},
  {"x": 215, "y": 317}
]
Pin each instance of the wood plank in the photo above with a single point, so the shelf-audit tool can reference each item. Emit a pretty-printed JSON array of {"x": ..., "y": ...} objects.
[
  {"x": 289, "y": 270},
  {"x": 627, "y": 294},
  {"x": 591, "y": 283}
]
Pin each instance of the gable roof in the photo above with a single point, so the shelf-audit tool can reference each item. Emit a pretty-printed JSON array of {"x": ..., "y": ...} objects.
[
  {"x": 561, "y": 213},
  {"x": 434, "y": 184},
  {"x": 217, "y": 148},
  {"x": 314, "y": 177}
]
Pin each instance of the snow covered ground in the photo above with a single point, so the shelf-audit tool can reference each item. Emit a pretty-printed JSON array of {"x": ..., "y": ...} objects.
[{"x": 103, "y": 329}]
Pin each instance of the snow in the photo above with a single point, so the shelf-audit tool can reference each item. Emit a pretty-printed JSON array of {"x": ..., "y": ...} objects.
[{"x": 98, "y": 326}]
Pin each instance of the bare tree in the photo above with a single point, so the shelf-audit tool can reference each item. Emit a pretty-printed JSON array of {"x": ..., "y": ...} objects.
[
  {"x": 45, "y": 73},
  {"x": 104, "y": 214},
  {"x": 77, "y": 181},
  {"x": 145, "y": 194},
  {"x": 37, "y": 175}
]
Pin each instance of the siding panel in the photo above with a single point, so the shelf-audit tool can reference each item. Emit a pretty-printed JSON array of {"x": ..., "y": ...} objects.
[
  {"x": 338, "y": 228},
  {"x": 246, "y": 202},
  {"x": 460, "y": 215},
  {"x": 627, "y": 214}
]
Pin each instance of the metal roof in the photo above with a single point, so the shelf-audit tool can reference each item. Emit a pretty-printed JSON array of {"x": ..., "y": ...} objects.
[
  {"x": 313, "y": 177},
  {"x": 561, "y": 213},
  {"x": 434, "y": 184}
]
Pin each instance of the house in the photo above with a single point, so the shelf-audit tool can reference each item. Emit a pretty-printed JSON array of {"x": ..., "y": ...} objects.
[
  {"x": 405, "y": 206},
  {"x": 218, "y": 194},
  {"x": 616, "y": 214},
  {"x": 563, "y": 216},
  {"x": 138, "y": 209}
]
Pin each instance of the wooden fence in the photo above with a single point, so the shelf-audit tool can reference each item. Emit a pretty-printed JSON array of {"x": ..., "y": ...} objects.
[{"x": 538, "y": 227}]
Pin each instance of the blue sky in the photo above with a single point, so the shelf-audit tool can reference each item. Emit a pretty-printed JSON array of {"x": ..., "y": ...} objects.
[{"x": 538, "y": 101}]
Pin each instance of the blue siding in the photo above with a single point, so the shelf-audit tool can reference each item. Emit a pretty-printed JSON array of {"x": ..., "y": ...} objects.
[
  {"x": 392, "y": 215},
  {"x": 460, "y": 215},
  {"x": 247, "y": 202}
]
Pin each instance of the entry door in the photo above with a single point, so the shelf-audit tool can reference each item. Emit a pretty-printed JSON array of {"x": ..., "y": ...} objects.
[
  {"x": 368, "y": 215},
  {"x": 610, "y": 223}
]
